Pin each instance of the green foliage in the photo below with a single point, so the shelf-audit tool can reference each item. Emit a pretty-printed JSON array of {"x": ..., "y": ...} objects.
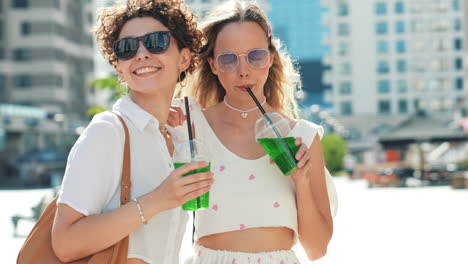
[
  {"x": 463, "y": 164},
  {"x": 334, "y": 150},
  {"x": 95, "y": 110},
  {"x": 110, "y": 83}
]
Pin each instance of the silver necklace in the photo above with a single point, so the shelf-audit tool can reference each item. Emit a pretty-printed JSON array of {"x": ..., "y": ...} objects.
[{"x": 244, "y": 113}]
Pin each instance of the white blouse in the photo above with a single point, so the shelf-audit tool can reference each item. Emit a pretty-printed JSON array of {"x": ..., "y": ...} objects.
[{"x": 93, "y": 175}]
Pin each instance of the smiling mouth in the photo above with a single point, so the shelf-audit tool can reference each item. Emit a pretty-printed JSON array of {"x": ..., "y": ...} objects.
[{"x": 146, "y": 70}]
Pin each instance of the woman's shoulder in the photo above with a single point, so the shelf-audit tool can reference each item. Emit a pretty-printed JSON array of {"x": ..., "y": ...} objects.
[
  {"x": 104, "y": 125},
  {"x": 306, "y": 127}
]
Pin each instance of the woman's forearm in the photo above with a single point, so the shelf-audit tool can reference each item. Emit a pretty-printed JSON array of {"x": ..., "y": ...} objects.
[
  {"x": 315, "y": 222},
  {"x": 75, "y": 236}
]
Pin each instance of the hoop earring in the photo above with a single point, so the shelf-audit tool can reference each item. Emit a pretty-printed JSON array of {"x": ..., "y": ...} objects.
[
  {"x": 179, "y": 81},
  {"x": 120, "y": 89}
]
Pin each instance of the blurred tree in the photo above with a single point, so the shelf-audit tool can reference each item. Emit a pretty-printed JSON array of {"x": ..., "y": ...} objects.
[
  {"x": 334, "y": 150},
  {"x": 111, "y": 84}
]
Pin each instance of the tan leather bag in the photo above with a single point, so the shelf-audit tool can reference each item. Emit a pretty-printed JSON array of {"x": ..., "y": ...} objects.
[{"x": 38, "y": 245}]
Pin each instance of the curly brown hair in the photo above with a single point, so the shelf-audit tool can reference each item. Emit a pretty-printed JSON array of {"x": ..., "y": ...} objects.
[{"x": 173, "y": 14}]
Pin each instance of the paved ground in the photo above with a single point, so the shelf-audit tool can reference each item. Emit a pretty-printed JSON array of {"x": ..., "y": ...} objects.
[{"x": 384, "y": 225}]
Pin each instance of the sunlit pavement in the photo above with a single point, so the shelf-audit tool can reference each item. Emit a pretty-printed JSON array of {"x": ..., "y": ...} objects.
[{"x": 426, "y": 225}]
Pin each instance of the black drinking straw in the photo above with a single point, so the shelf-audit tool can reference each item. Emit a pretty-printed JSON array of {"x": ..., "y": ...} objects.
[
  {"x": 277, "y": 133},
  {"x": 189, "y": 127}
]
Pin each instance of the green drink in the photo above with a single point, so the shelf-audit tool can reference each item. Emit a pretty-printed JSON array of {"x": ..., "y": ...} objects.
[
  {"x": 201, "y": 202},
  {"x": 281, "y": 156}
]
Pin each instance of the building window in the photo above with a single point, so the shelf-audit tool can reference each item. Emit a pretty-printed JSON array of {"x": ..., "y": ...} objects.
[
  {"x": 457, "y": 44},
  {"x": 441, "y": 44},
  {"x": 20, "y": 3},
  {"x": 399, "y": 8},
  {"x": 2, "y": 82},
  {"x": 402, "y": 86},
  {"x": 383, "y": 86},
  {"x": 384, "y": 107},
  {"x": 443, "y": 84},
  {"x": 346, "y": 108},
  {"x": 418, "y": 26},
  {"x": 400, "y": 27},
  {"x": 22, "y": 55},
  {"x": 457, "y": 24},
  {"x": 343, "y": 49},
  {"x": 383, "y": 67},
  {"x": 402, "y": 106},
  {"x": 401, "y": 66},
  {"x": 25, "y": 28},
  {"x": 345, "y": 88},
  {"x": 441, "y": 65},
  {"x": 382, "y": 47},
  {"x": 345, "y": 68},
  {"x": 440, "y": 25},
  {"x": 456, "y": 5},
  {"x": 381, "y": 28},
  {"x": 459, "y": 84},
  {"x": 343, "y": 29},
  {"x": 400, "y": 46},
  {"x": 458, "y": 64},
  {"x": 343, "y": 9},
  {"x": 23, "y": 81},
  {"x": 381, "y": 8}
]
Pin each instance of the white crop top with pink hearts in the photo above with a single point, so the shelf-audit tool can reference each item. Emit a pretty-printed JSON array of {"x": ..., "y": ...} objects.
[{"x": 248, "y": 193}]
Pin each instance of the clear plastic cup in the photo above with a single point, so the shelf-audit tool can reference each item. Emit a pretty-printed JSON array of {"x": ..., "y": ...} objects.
[
  {"x": 183, "y": 155},
  {"x": 276, "y": 141}
]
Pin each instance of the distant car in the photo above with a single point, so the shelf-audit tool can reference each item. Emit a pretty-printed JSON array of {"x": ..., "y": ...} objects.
[
  {"x": 383, "y": 178},
  {"x": 403, "y": 173},
  {"x": 436, "y": 176}
]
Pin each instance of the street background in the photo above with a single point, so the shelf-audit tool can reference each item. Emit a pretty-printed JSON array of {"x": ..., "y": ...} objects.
[
  {"x": 385, "y": 78},
  {"x": 387, "y": 225}
]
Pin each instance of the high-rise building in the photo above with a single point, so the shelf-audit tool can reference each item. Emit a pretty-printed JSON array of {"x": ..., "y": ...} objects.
[
  {"x": 297, "y": 24},
  {"x": 46, "y": 62},
  {"x": 201, "y": 7},
  {"x": 394, "y": 57}
]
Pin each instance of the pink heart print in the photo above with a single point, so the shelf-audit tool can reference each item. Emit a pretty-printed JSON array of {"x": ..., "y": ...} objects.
[
  {"x": 271, "y": 161},
  {"x": 251, "y": 177},
  {"x": 222, "y": 167},
  {"x": 276, "y": 205},
  {"x": 242, "y": 226},
  {"x": 215, "y": 207},
  {"x": 234, "y": 261}
]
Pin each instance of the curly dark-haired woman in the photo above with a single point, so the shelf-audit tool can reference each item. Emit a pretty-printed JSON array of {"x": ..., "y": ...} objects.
[{"x": 151, "y": 44}]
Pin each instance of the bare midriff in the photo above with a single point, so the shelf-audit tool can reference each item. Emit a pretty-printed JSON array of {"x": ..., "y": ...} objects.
[{"x": 251, "y": 240}]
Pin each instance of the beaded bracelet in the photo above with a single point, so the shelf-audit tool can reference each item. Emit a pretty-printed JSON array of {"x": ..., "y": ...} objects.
[{"x": 142, "y": 217}]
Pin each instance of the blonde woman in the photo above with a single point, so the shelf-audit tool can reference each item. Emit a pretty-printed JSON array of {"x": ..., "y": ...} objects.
[{"x": 256, "y": 214}]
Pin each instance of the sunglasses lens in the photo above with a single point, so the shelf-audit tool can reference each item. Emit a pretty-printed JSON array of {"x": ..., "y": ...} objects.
[
  {"x": 227, "y": 62},
  {"x": 157, "y": 42},
  {"x": 258, "y": 58},
  {"x": 126, "y": 48}
]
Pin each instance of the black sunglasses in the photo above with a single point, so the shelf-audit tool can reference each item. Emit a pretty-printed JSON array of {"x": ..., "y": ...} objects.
[{"x": 155, "y": 42}]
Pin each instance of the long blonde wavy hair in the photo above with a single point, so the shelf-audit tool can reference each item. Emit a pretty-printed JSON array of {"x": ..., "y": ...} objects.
[{"x": 283, "y": 78}]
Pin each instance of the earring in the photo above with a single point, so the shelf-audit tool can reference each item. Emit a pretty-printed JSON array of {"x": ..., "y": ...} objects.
[
  {"x": 183, "y": 74},
  {"x": 122, "y": 92}
]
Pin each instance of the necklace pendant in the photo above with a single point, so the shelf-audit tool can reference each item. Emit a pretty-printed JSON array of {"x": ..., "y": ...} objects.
[{"x": 244, "y": 114}]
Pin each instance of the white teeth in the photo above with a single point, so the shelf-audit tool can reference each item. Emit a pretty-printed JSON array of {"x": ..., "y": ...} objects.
[{"x": 146, "y": 70}]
